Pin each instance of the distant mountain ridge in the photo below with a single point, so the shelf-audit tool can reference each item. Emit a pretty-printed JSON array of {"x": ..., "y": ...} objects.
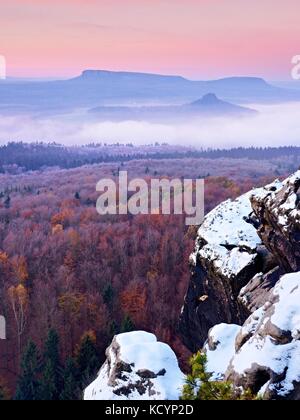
[
  {"x": 92, "y": 75},
  {"x": 98, "y": 88}
]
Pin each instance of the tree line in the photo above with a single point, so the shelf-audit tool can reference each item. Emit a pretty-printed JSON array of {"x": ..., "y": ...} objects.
[{"x": 20, "y": 157}]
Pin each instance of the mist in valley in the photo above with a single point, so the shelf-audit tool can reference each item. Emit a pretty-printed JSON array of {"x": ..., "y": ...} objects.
[{"x": 274, "y": 125}]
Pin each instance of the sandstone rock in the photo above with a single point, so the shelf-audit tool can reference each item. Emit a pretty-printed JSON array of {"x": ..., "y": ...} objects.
[
  {"x": 242, "y": 249},
  {"x": 277, "y": 217},
  {"x": 259, "y": 289},
  {"x": 265, "y": 352},
  {"x": 138, "y": 367},
  {"x": 227, "y": 256}
]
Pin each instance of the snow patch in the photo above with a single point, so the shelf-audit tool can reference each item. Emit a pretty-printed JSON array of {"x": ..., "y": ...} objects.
[
  {"x": 268, "y": 351},
  {"x": 227, "y": 225},
  {"x": 220, "y": 349},
  {"x": 228, "y": 262},
  {"x": 287, "y": 309},
  {"x": 139, "y": 351}
]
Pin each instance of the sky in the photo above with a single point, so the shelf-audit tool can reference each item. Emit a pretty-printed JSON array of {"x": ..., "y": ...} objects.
[{"x": 199, "y": 39}]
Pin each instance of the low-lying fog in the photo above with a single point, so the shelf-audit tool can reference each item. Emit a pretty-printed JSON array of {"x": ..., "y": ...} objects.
[{"x": 275, "y": 125}]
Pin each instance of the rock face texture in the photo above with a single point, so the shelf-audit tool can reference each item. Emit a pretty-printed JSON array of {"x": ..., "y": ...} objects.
[
  {"x": 242, "y": 249},
  {"x": 277, "y": 216},
  {"x": 138, "y": 367},
  {"x": 264, "y": 354},
  {"x": 246, "y": 274},
  {"x": 228, "y": 254}
]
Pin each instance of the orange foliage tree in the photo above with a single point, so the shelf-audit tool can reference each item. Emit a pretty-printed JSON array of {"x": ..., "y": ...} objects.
[
  {"x": 20, "y": 269},
  {"x": 133, "y": 302}
]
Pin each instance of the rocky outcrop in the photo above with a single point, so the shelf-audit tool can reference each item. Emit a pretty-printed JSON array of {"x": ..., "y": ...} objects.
[
  {"x": 228, "y": 254},
  {"x": 277, "y": 217},
  {"x": 264, "y": 354},
  {"x": 243, "y": 305},
  {"x": 247, "y": 261},
  {"x": 242, "y": 249},
  {"x": 259, "y": 289},
  {"x": 138, "y": 367}
]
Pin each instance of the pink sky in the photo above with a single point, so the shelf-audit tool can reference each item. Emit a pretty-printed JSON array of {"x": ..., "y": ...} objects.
[{"x": 194, "y": 38}]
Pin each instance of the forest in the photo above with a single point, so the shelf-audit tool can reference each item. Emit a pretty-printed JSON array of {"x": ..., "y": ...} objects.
[
  {"x": 71, "y": 279},
  {"x": 21, "y": 157}
]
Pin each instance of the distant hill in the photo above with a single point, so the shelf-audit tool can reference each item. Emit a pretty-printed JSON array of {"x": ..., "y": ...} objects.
[
  {"x": 210, "y": 103},
  {"x": 209, "y": 106},
  {"x": 95, "y": 88}
]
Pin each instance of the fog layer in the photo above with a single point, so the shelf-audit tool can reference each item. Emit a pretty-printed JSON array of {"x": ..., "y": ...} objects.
[{"x": 276, "y": 125}]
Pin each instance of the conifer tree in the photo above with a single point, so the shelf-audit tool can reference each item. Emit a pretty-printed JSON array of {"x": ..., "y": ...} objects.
[
  {"x": 2, "y": 396},
  {"x": 52, "y": 369},
  {"x": 200, "y": 386},
  {"x": 113, "y": 329},
  {"x": 29, "y": 386},
  {"x": 71, "y": 390},
  {"x": 127, "y": 325},
  {"x": 3, "y": 391},
  {"x": 108, "y": 296},
  {"x": 7, "y": 202},
  {"x": 87, "y": 359}
]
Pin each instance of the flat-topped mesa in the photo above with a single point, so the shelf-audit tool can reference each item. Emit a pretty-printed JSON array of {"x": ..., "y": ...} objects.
[
  {"x": 94, "y": 75},
  {"x": 277, "y": 217},
  {"x": 138, "y": 367}
]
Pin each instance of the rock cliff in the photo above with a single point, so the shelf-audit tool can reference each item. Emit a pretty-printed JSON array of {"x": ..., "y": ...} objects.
[
  {"x": 261, "y": 353},
  {"x": 242, "y": 249}
]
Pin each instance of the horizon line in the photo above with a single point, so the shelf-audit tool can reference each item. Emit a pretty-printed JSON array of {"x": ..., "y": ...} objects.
[{"x": 10, "y": 78}]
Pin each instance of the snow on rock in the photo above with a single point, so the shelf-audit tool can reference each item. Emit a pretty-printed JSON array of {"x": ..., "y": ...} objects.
[
  {"x": 243, "y": 248},
  {"x": 220, "y": 349},
  {"x": 285, "y": 195},
  {"x": 277, "y": 213},
  {"x": 227, "y": 236},
  {"x": 266, "y": 356},
  {"x": 286, "y": 206},
  {"x": 138, "y": 367},
  {"x": 227, "y": 225},
  {"x": 228, "y": 263},
  {"x": 225, "y": 259}
]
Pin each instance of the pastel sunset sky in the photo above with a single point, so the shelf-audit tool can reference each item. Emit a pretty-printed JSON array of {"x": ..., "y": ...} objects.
[{"x": 195, "y": 38}]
